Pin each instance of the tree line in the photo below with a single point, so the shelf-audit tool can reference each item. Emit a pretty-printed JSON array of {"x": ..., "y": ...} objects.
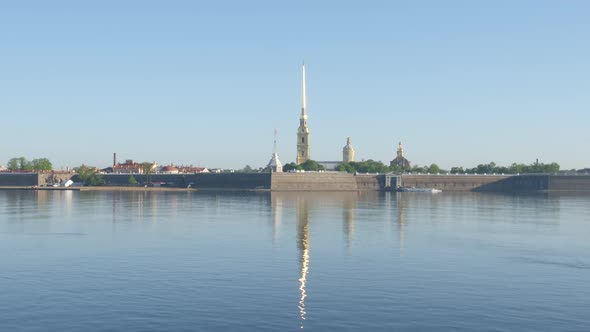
[
  {"x": 512, "y": 169},
  {"x": 372, "y": 166},
  {"x": 35, "y": 165}
]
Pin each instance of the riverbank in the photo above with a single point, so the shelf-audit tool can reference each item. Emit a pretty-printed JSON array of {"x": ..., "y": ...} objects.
[
  {"x": 119, "y": 188},
  {"x": 316, "y": 181}
]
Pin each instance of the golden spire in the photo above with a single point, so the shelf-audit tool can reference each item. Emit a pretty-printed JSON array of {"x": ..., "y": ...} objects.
[{"x": 303, "y": 98}]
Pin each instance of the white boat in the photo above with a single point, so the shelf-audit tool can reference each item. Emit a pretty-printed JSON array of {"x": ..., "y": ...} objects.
[{"x": 419, "y": 190}]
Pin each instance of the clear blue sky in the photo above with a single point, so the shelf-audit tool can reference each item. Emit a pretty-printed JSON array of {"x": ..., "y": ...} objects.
[{"x": 206, "y": 82}]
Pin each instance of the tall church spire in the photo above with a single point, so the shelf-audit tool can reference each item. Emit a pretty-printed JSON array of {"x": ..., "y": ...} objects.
[
  {"x": 303, "y": 100},
  {"x": 303, "y": 151}
]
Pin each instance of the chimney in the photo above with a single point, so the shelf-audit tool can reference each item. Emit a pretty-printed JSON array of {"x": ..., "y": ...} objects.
[{"x": 114, "y": 159}]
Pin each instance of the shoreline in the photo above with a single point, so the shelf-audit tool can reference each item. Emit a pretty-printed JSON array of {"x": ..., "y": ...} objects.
[{"x": 121, "y": 188}]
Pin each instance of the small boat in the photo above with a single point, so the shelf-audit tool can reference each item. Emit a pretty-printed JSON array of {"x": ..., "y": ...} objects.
[{"x": 419, "y": 190}]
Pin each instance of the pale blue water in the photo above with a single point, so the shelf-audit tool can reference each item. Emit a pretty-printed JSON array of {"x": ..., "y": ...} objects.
[{"x": 181, "y": 261}]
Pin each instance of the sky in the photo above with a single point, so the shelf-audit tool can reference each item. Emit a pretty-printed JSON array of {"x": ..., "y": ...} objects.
[{"x": 459, "y": 83}]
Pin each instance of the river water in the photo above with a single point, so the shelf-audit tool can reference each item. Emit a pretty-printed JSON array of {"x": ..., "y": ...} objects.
[{"x": 189, "y": 261}]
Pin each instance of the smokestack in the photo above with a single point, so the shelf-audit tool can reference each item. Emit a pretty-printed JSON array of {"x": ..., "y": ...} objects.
[{"x": 114, "y": 159}]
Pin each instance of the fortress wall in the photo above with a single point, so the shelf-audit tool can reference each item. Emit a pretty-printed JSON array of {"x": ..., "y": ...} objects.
[
  {"x": 19, "y": 179},
  {"x": 312, "y": 181},
  {"x": 370, "y": 182},
  {"x": 458, "y": 182},
  {"x": 233, "y": 180},
  {"x": 327, "y": 181},
  {"x": 49, "y": 179},
  {"x": 199, "y": 181},
  {"x": 528, "y": 183},
  {"x": 569, "y": 183}
]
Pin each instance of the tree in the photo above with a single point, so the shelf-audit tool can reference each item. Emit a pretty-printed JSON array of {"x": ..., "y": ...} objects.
[
  {"x": 41, "y": 164},
  {"x": 290, "y": 166},
  {"x": 132, "y": 181},
  {"x": 434, "y": 169},
  {"x": 89, "y": 176},
  {"x": 19, "y": 164},
  {"x": 457, "y": 170},
  {"x": 247, "y": 169},
  {"x": 419, "y": 170},
  {"x": 147, "y": 169},
  {"x": 311, "y": 165},
  {"x": 369, "y": 166},
  {"x": 397, "y": 169},
  {"x": 346, "y": 167}
]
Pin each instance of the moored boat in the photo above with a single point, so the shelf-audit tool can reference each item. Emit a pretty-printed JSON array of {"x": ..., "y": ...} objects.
[{"x": 419, "y": 190}]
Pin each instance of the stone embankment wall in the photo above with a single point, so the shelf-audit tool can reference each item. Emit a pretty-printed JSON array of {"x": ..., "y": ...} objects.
[
  {"x": 19, "y": 179},
  {"x": 456, "y": 182},
  {"x": 499, "y": 183},
  {"x": 569, "y": 183},
  {"x": 247, "y": 181},
  {"x": 311, "y": 181},
  {"x": 49, "y": 179},
  {"x": 370, "y": 182},
  {"x": 326, "y": 181}
]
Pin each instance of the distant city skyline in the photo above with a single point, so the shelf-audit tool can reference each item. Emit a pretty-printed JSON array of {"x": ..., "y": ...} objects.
[{"x": 458, "y": 83}]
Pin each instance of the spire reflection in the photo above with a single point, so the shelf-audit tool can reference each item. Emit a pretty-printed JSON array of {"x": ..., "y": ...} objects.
[{"x": 303, "y": 246}]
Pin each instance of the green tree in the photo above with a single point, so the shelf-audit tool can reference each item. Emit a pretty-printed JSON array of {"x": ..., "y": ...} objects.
[
  {"x": 311, "y": 165},
  {"x": 346, "y": 167},
  {"x": 132, "y": 181},
  {"x": 41, "y": 164},
  {"x": 247, "y": 169},
  {"x": 369, "y": 166},
  {"x": 419, "y": 170},
  {"x": 19, "y": 164},
  {"x": 433, "y": 169},
  {"x": 290, "y": 166},
  {"x": 457, "y": 170},
  {"x": 89, "y": 176},
  {"x": 148, "y": 169},
  {"x": 397, "y": 169}
]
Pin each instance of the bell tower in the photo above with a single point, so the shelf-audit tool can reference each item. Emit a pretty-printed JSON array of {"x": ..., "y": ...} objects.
[{"x": 303, "y": 151}]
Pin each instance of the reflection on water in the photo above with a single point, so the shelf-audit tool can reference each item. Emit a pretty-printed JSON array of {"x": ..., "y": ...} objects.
[
  {"x": 228, "y": 261},
  {"x": 401, "y": 202},
  {"x": 303, "y": 246},
  {"x": 348, "y": 213},
  {"x": 303, "y": 204}
]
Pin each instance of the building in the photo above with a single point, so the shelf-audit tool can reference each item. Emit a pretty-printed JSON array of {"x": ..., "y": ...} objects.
[
  {"x": 131, "y": 167},
  {"x": 303, "y": 151},
  {"x": 275, "y": 165},
  {"x": 192, "y": 170},
  {"x": 400, "y": 160},
  {"x": 348, "y": 151},
  {"x": 169, "y": 170}
]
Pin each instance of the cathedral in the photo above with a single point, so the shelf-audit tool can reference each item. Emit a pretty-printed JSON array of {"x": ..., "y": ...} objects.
[
  {"x": 400, "y": 160},
  {"x": 303, "y": 149},
  {"x": 303, "y": 154}
]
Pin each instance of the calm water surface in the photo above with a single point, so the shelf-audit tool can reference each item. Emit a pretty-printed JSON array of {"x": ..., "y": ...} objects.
[{"x": 182, "y": 261}]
